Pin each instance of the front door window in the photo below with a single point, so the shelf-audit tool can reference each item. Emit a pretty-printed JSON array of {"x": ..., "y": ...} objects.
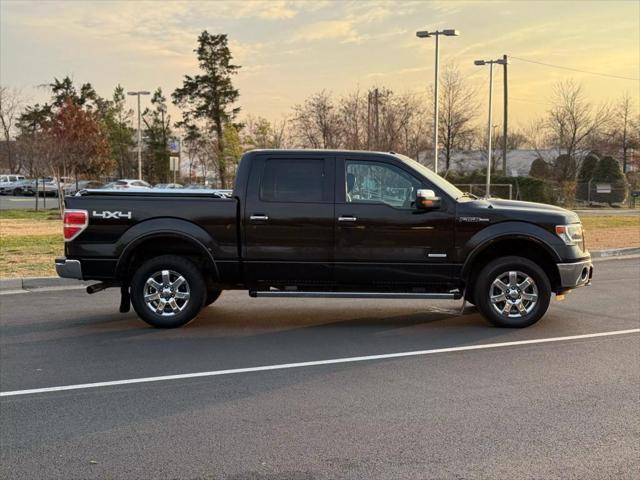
[{"x": 379, "y": 183}]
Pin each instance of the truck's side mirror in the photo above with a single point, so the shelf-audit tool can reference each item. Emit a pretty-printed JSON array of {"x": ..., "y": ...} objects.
[{"x": 427, "y": 200}]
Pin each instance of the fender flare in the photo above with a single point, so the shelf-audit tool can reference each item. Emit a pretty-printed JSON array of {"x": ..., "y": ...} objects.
[
  {"x": 165, "y": 227},
  {"x": 513, "y": 230}
]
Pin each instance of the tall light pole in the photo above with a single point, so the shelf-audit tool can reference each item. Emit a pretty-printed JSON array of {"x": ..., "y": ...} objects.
[
  {"x": 489, "y": 122},
  {"x": 426, "y": 34},
  {"x": 138, "y": 93}
]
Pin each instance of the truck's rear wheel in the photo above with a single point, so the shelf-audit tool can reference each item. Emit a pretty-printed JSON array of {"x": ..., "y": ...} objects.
[
  {"x": 512, "y": 292},
  {"x": 168, "y": 291}
]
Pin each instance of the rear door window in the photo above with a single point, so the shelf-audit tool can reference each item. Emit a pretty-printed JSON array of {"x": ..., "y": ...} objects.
[{"x": 294, "y": 180}]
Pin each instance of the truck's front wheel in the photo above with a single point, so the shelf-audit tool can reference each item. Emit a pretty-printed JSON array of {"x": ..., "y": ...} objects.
[
  {"x": 512, "y": 292},
  {"x": 168, "y": 291}
]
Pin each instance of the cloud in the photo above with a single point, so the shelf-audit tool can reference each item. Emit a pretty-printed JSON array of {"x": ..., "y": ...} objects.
[{"x": 328, "y": 29}]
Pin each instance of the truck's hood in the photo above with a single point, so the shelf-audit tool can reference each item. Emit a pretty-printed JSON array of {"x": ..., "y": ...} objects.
[{"x": 517, "y": 210}]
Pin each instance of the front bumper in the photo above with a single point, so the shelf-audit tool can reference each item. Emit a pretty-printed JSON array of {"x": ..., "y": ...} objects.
[
  {"x": 576, "y": 274},
  {"x": 66, "y": 268}
]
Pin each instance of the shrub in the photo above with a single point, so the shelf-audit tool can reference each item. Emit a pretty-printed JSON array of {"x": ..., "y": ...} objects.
[
  {"x": 585, "y": 175},
  {"x": 524, "y": 188},
  {"x": 608, "y": 171},
  {"x": 539, "y": 169}
]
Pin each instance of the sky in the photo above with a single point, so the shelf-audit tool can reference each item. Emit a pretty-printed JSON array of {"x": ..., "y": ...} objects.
[{"x": 289, "y": 50}]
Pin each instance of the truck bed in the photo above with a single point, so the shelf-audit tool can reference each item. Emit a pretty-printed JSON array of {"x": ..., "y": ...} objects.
[{"x": 118, "y": 219}]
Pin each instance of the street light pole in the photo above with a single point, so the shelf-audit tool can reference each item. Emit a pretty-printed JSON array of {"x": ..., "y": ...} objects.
[
  {"x": 427, "y": 34},
  {"x": 436, "y": 107},
  {"x": 138, "y": 93},
  {"x": 489, "y": 121}
]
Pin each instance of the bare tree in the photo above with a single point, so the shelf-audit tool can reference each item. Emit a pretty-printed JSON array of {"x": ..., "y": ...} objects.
[
  {"x": 572, "y": 121},
  {"x": 458, "y": 109},
  {"x": 10, "y": 106},
  {"x": 316, "y": 123},
  {"x": 258, "y": 132},
  {"x": 626, "y": 114},
  {"x": 353, "y": 109}
]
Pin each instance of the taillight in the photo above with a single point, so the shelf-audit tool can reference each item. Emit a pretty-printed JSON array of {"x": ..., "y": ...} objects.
[{"x": 74, "y": 223}]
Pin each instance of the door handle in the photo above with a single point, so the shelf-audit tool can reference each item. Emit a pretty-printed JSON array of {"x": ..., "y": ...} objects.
[
  {"x": 347, "y": 218},
  {"x": 258, "y": 218}
]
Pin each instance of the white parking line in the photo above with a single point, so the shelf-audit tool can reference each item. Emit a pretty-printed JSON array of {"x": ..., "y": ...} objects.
[{"x": 333, "y": 361}]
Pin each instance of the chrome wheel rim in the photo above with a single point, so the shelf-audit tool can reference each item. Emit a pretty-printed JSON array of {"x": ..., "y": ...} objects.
[
  {"x": 513, "y": 294},
  {"x": 166, "y": 293}
]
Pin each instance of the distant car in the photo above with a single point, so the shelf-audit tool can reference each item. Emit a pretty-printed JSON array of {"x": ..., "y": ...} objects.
[
  {"x": 126, "y": 183},
  {"x": 168, "y": 185},
  {"x": 29, "y": 188},
  {"x": 196, "y": 186},
  {"x": 72, "y": 189},
  {"x": 15, "y": 188},
  {"x": 9, "y": 181}
]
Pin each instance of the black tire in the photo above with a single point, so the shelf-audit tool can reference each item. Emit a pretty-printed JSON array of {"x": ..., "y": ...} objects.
[
  {"x": 212, "y": 295},
  {"x": 187, "y": 299},
  {"x": 525, "y": 301}
]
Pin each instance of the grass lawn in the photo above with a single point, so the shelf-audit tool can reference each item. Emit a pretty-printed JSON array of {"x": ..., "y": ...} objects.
[
  {"x": 615, "y": 231},
  {"x": 29, "y": 240}
]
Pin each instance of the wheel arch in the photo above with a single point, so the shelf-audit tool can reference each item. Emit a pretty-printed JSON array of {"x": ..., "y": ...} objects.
[
  {"x": 509, "y": 244},
  {"x": 153, "y": 238}
]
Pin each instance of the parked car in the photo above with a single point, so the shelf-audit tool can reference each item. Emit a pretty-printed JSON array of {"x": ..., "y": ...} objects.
[
  {"x": 323, "y": 223},
  {"x": 14, "y": 188},
  {"x": 72, "y": 189},
  {"x": 126, "y": 183},
  {"x": 196, "y": 186},
  {"x": 29, "y": 188},
  {"x": 167, "y": 185},
  {"x": 8, "y": 181}
]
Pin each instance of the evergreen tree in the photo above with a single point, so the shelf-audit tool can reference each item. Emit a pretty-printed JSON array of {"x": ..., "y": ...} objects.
[
  {"x": 539, "y": 168},
  {"x": 588, "y": 167},
  {"x": 608, "y": 171},
  {"x": 585, "y": 175},
  {"x": 156, "y": 136},
  {"x": 210, "y": 96},
  {"x": 119, "y": 133}
]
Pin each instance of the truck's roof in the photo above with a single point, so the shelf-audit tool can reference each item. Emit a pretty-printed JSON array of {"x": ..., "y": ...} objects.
[{"x": 317, "y": 151}]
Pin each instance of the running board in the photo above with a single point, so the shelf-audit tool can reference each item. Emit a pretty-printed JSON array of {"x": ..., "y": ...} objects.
[{"x": 408, "y": 295}]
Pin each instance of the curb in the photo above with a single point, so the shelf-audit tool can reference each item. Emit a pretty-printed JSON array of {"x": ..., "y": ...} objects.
[
  {"x": 34, "y": 283},
  {"x": 615, "y": 252},
  {"x": 12, "y": 285}
]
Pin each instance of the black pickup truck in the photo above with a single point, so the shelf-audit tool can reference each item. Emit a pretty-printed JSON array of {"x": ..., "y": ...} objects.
[{"x": 322, "y": 223}]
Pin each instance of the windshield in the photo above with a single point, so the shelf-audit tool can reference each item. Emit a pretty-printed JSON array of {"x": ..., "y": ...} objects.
[{"x": 450, "y": 189}]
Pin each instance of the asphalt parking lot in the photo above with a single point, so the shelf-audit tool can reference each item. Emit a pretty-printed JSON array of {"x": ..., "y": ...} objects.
[
  {"x": 562, "y": 408},
  {"x": 10, "y": 202}
]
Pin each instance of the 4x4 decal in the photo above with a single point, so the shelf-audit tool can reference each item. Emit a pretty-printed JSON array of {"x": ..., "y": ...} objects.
[{"x": 106, "y": 214}]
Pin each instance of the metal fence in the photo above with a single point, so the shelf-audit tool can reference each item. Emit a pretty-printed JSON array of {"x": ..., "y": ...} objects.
[{"x": 498, "y": 190}]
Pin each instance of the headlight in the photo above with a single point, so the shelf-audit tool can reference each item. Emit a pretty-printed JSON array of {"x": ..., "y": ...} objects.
[{"x": 570, "y": 234}]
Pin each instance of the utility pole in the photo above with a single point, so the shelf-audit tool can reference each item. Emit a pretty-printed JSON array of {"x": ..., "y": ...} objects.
[
  {"x": 426, "y": 34},
  {"x": 375, "y": 112},
  {"x": 505, "y": 116},
  {"x": 138, "y": 93},
  {"x": 369, "y": 120}
]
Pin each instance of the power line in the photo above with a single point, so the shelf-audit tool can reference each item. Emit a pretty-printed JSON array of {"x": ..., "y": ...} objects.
[{"x": 576, "y": 69}]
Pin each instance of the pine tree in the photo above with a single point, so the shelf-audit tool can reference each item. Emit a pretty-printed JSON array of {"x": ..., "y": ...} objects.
[
  {"x": 156, "y": 136},
  {"x": 210, "y": 96}
]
